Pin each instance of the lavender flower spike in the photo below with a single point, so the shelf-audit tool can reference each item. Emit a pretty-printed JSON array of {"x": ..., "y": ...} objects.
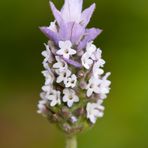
[{"x": 75, "y": 83}]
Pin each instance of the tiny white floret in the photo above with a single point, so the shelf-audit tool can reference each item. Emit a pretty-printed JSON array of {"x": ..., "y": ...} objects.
[
  {"x": 47, "y": 54},
  {"x": 93, "y": 86},
  {"x": 97, "y": 55},
  {"x": 71, "y": 81},
  {"x": 66, "y": 49},
  {"x": 97, "y": 70},
  {"x": 86, "y": 60},
  {"x": 91, "y": 48},
  {"x": 104, "y": 87},
  {"x": 60, "y": 65},
  {"x": 42, "y": 107},
  {"x": 63, "y": 76},
  {"x": 54, "y": 98},
  {"x": 70, "y": 97},
  {"x": 49, "y": 77},
  {"x": 94, "y": 111}
]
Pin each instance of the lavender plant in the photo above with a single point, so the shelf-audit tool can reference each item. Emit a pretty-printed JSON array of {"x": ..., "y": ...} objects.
[{"x": 75, "y": 84}]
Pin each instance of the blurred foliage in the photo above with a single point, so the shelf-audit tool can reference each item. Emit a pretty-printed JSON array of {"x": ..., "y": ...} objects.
[{"x": 125, "y": 48}]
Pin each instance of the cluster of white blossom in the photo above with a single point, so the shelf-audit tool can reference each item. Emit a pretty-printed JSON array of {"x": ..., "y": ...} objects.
[
  {"x": 98, "y": 84},
  {"x": 49, "y": 94},
  {"x": 58, "y": 72},
  {"x": 64, "y": 74},
  {"x": 95, "y": 110}
]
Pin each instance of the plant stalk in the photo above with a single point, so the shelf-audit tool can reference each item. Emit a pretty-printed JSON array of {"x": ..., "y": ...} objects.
[{"x": 71, "y": 142}]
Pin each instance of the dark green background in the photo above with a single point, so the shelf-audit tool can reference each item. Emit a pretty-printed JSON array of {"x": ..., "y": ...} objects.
[{"x": 125, "y": 48}]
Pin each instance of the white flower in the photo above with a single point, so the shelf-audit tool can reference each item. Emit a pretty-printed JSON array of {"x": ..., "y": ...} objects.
[
  {"x": 97, "y": 70},
  {"x": 86, "y": 60},
  {"x": 71, "y": 81},
  {"x": 88, "y": 57},
  {"x": 104, "y": 86},
  {"x": 63, "y": 76},
  {"x": 60, "y": 66},
  {"x": 99, "y": 86},
  {"x": 42, "y": 107},
  {"x": 43, "y": 95},
  {"x": 92, "y": 55},
  {"x": 91, "y": 48},
  {"x": 47, "y": 54},
  {"x": 65, "y": 49},
  {"x": 93, "y": 86},
  {"x": 47, "y": 89},
  {"x": 97, "y": 54},
  {"x": 94, "y": 110},
  {"x": 53, "y": 26},
  {"x": 45, "y": 65},
  {"x": 54, "y": 97},
  {"x": 49, "y": 77},
  {"x": 48, "y": 57},
  {"x": 70, "y": 97}
]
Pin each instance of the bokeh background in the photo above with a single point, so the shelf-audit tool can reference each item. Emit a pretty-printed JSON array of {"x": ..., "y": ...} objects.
[{"x": 125, "y": 48}]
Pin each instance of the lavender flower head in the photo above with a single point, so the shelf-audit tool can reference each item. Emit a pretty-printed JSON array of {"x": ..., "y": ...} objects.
[{"x": 75, "y": 84}]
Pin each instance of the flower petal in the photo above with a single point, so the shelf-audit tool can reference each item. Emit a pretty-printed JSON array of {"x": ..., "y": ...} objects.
[
  {"x": 56, "y": 13},
  {"x": 65, "y": 32},
  {"x": 76, "y": 99},
  {"x": 70, "y": 103},
  {"x": 71, "y": 11},
  {"x": 72, "y": 62},
  {"x": 86, "y": 15},
  {"x": 89, "y": 92},
  {"x": 76, "y": 33},
  {"x": 91, "y": 34},
  {"x": 60, "y": 21},
  {"x": 50, "y": 34},
  {"x": 71, "y": 31}
]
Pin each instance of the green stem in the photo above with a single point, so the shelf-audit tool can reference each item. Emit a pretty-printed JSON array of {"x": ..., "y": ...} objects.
[{"x": 71, "y": 142}]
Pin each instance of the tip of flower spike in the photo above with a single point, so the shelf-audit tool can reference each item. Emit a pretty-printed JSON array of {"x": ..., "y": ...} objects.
[
  {"x": 91, "y": 34},
  {"x": 98, "y": 31},
  {"x": 87, "y": 14},
  {"x": 56, "y": 13},
  {"x": 51, "y": 4},
  {"x": 43, "y": 29},
  {"x": 93, "y": 6}
]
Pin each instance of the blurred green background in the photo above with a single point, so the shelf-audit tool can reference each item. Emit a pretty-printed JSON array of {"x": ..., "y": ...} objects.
[{"x": 125, "y": 48}]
